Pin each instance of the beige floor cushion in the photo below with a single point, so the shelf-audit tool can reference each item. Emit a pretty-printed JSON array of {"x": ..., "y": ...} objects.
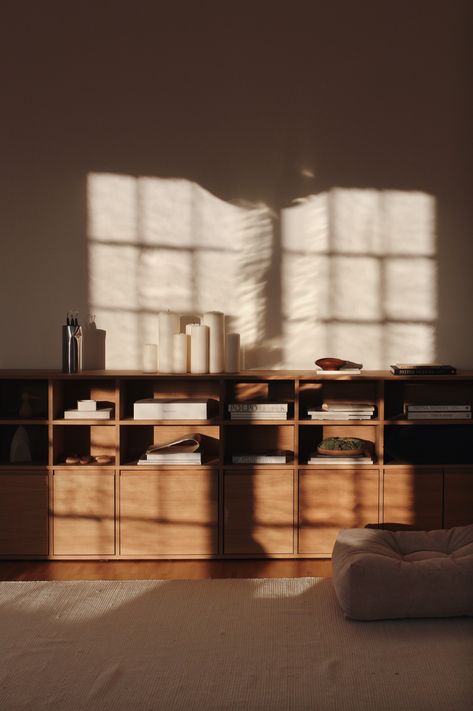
[{"x": 384, "y": 574}]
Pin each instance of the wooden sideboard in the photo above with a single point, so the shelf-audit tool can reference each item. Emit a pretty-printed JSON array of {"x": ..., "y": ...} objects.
[{"x": 421, "y": 476}]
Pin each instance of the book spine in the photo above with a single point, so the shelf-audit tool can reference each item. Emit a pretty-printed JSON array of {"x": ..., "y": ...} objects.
[
  {"x": 265, "y": 407},
  {"x": 258, "y": 460},
  {"x": 438, "y": 408},
  {"x": 423, "y": 371},
  {"x": 439, "y": 415}
]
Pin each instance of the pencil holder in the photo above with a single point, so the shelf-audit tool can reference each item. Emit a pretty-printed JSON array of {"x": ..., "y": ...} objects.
[{"x": 71, "y": 349}]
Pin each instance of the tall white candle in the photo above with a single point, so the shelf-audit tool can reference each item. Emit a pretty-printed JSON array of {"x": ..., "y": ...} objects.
[
  {"x": 232, "y": 353},
  {"x": 215, "y": 320},
  {"x": 189, "y": 343},
  {"x": 150, "y": 358},
  {"x": 179, "y": 353},
  {"x": 168, "y": 326},
  {"x": 199, "y": 349}
]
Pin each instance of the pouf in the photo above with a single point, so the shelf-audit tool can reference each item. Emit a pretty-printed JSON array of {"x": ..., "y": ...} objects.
[{"x": 381, "y": 574}]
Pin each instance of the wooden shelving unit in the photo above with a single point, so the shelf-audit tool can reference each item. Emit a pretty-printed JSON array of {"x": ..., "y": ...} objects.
[{"x": 421, "y": 476}]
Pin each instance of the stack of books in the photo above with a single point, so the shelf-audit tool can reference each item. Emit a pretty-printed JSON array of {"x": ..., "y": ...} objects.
[
  {"x": 422, "y": 369},
  {"x": 175, "y": 409},
  {"x": 88, "y": 410},
  {"x": 437, "y": 412},
  {"x": 179, "y": 451},
  {"x": 258, "y": 410},
  {"x": 337, "y": 410},
  {"x": 276, "y": 456}
]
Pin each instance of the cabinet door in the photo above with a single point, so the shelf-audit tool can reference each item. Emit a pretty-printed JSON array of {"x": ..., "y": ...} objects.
[
  {"x": 458, "y": 501},
  {"x": 259, "y": 512},
  {"x": 84, "y": 513},
  {"x": 168, "y": 512},
  {"x": 413, "y": 499},
  {"x": 333, "y": 499},
  {"x": 23, "y": 514}
]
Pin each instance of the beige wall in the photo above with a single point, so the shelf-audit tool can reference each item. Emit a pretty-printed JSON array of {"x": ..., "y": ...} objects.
[{"x": 255, "y": 105}]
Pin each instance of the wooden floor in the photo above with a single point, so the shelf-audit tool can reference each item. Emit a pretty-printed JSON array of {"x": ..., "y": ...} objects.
[{"x": 163, "y": 570}]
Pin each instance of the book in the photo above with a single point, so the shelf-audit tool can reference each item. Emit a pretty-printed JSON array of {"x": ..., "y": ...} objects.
[
  {"x": 272, "y": 457},
  {"x": 258, "y": 407},
  {"x": 103, "y": 414},
  {"x": 258, "y": 415},
  {"x": 341, "y": 371},
  {"x": 327, "y": 459},
  {"x": 447, "y": 415},
  {"x": 334, "y": 406},
  {"x": 437, "y": 408},
  {"x": 179, "y": 451},
  {"x": 412, "y": 369},
  {"x": 322, "y": 415},
  {"x": 176, "y": 409}
]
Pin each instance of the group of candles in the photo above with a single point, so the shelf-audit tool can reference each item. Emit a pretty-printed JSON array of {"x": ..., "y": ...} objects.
[{"x": 203, "y": 348}]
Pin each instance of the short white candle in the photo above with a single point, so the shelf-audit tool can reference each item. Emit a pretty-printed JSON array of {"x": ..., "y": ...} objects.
[
  {"x": 150, "y": 358},
  {"x": 232, "y": 353},
  {"x": 168, "y": 326},
  {"x": 179, "y": 353},
  {"x": 199, "y": 349},
  {"x": 215, "y": 320},
  {"x": 189, "y": 343}
]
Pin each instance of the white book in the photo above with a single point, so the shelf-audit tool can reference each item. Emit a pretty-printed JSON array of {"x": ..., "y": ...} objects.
[
  {"x": 160, "y": 409},
  {"x": 258, "y": 407},
  {"x": 438, "y": 408},
  {"x": 327, "y": 459},
  {"x": 258, "y": 416},
  {"x": 103, "y": 414},
  {"x": 169, "y": 460},
  {"x": 338, "y": 416},
  {"x": 342, "y": 371},
  {"x": 439, "y": 415}
]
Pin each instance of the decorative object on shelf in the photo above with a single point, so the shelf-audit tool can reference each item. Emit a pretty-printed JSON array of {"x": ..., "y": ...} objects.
[
  {"x": 88, "y": 459},
  {"x": 232, "y": 353},
  {"x": 199, "y": 349},
  {"x": 215, "y": 320},
  {"x": 422, "y": 369},
  {"x": 336, "y": 365},
  {"x": 179, "y": 353},
  {"x": 72, "y": 344},
  {"x": 26, "y": 407},
  {"x": 20, "y": 448},
  {"x": 93, "y": 345},
  {"x": 342, "y": 446},
  {"x": 150, "y": 358},
  {"x": 186, "y": 450},
  {"x": 87, "y": 405},
  {"x": 168, "y": 327}
]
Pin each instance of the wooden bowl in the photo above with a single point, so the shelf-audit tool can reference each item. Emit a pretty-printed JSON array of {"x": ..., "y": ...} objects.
[{"x": 330, "y": 363}]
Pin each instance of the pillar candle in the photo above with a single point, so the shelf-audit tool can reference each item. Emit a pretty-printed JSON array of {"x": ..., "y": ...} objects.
[
  {"x": 215, "y": 321},
  {"x": 150, "y": 358},
  {"x": 168, "y": 326},
  {"x": 232, "y": 353},
  {"x": 179, "y": 353},
  {"x": 189, "y": 343},
  {"x": 199, "y": 349}
]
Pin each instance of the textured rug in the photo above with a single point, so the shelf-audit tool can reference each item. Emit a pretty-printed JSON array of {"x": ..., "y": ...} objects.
[{"x": 221, "y": 644}]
